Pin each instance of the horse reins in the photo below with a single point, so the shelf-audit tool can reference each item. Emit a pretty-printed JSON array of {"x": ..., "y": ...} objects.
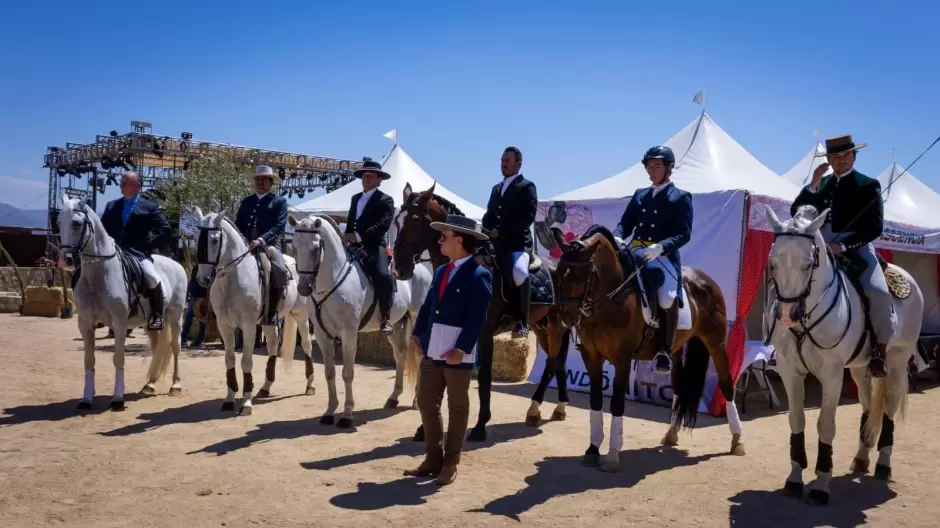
[{"x": 317, "y": 305}]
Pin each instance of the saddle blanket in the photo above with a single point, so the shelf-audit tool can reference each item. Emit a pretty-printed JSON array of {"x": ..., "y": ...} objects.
[{"x": 543, "y": 289}]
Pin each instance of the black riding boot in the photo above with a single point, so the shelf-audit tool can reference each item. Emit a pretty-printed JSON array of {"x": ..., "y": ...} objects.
[
  {"x": 386, "y": 328},
  {"x": 525, "y": 304},
  {"x": 877, "y": 366},
  {"x": 273, "y": 300},
  {"x": 667, "y": 335},
  {"x": 156, "y": 308}
]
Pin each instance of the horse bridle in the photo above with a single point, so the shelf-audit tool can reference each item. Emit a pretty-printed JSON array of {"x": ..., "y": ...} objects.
[
  {"x": 88, "y": 230},
  {"x": 204, "y": 242},
  {"x": 425, "y": 226}
]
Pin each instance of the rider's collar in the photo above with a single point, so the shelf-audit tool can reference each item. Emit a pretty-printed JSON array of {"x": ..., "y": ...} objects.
[
  {"x": 262, "y": 195},
  {"x": 840, "y": 176},
  {"x": 657, "y": 188}
]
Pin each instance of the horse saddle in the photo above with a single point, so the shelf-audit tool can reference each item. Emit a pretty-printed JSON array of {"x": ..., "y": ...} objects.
[
  {"x": 853, "y": 267},
  {"x": 134, "y": 277},
  {"x": 542, "y": 288},
  {"x": 653, "y": 278},
  {"x": 366, "y": 261}
]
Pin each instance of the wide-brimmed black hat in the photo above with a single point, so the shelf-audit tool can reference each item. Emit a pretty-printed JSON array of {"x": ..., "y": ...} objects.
[
  {"x": 372, "y": 166},
  {"x": 835, "y": 145},
  {"x": 461, "y": 224}
]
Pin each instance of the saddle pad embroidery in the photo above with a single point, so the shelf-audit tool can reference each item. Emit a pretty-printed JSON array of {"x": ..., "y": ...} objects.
[
  {"x": 897, "y": 283},
  {"x": 543, "y": 289}
]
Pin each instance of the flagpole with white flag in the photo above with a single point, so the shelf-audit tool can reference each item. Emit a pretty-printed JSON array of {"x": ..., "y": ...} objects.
[
  {"x": 699, "y": 98},
  {"x": 393, "y": 135}
]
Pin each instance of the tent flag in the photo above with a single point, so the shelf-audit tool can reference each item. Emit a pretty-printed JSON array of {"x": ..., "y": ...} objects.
[
  {"x": 393, "y": 135},
  {"x": 699, "y": 98}
]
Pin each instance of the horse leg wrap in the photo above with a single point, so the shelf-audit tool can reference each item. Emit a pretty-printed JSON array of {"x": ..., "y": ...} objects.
[
  {"x": 616, "y": 435},
  {"x": 886, "y": 439},
  {"x": 230, "y": 380},
  {"x": 597, "y": 428},
  {"x": 798, "y": 449},
  {"x": 308, "y": 367},
  {"x": 249, "y": 384},
  {"x": 734, "y": 421},
  {"x": 269, "y": 369},
  {"x": 824, "y": 458}
]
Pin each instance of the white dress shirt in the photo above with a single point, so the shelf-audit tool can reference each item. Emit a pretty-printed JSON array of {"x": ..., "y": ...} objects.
[
  {"x": 363, "y": 200},
  {"x": 507, "y": 181},
  {"x": 457, "y": 264}
]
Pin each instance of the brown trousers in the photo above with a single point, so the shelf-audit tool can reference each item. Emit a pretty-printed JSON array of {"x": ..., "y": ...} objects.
[{"x": 434, "y": 381}]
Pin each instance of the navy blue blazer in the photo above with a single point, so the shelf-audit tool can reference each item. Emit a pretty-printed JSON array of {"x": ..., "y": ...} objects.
[
  {"x": 147, "y": 229},
  {"x": 664, "y": 219},
  {"x": 512, "y": 214},
  {"x": 264, "y": 218},
  {"x": 465, "y": 304}
]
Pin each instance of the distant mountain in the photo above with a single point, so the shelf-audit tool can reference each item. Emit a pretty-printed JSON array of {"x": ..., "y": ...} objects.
[{"x": 12, "y": 217}]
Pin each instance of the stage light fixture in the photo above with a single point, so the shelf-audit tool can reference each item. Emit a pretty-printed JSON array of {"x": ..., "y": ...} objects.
[
  {"x": 113, "y": 133},
  {"x": 186, "y": 135}
]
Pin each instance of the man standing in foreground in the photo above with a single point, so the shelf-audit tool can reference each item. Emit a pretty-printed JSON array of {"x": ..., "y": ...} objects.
[
  {"x": 850, "y": 195},
  {"x": 447, "y": 330}
]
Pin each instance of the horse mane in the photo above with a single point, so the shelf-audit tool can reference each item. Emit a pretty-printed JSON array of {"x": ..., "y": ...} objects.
[
  {"x": 448, "y": 206},
  {"x": 598, "y": 229},
  {"x": 332, "y": 222}
]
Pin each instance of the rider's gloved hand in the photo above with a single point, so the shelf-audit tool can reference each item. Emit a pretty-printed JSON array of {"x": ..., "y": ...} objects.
[{"x": 651, "y": 252}]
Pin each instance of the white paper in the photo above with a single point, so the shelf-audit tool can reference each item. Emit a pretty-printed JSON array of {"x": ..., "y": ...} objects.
[{"x": 444, "y": 339}]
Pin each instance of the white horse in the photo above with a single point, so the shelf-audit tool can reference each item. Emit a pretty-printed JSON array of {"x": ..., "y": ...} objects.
[
  {"x": 344, "y": 304},
  {"x": 821, "y": 331},
  {"x": 237, "y": 298},
  {"x": 103, "y": 295}
]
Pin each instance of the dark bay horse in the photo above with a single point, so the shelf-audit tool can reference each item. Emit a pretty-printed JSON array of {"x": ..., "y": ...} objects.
[
  {"x": 413, "y": 238},
  {"x": 593, "y": 296}
]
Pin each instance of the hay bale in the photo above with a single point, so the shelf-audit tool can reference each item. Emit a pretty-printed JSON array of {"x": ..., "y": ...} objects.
[
  {"x": 42, "y": 301},
  {"x": 511, "y": 357}
]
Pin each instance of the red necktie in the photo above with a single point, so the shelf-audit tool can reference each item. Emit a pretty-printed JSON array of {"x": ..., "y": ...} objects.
[{"x": 447, "y": 270}]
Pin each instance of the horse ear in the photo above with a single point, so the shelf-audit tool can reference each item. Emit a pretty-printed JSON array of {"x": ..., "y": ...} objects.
[
  {"x": 217, "y": 221},
  {"x": 406, "y": 192},
  {"x": 818, "y": 222},
  {"x": 198, "y": 212},
  {"x": 559, "y": 237},
  {"x": 318, "y": 223},
  {"x": 65, "y": 200},
  {"x": 775, "y": 222},
  {"x": 433, "y": 186},
  {"x": 291, "y": 220}
]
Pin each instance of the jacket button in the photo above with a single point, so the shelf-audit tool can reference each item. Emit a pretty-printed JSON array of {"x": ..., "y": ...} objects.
[
  {"x": 437, "y": 312},
  {"x": 654, "y": 211},
  {"x": 652, "y": 225},
  {"x": 644, "y": 210},
  {"x": 641, "y": 224}
]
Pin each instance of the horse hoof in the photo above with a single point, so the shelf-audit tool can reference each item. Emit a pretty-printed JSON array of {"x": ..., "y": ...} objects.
[
  {"x": 148, "y": 389},
  {"x": 793, "y": 489},
  {"x": 326, "y": 420},
  {"x": 419, "y": 435},
  {"x": 817, "y": 497},
  {"x": 590, "y": 460},
  {"x": 263, "y": 393},
  {"x": 860, "y": 466},
  {"x": 533, "y": 419},
  {"x": 344, "y": 423},
  {"x": 391, "y": 403},
  {"x": 310, "y": 391},
  {"x": 882, "y": 472},
  {"x": 609, "y": 466},
  {"x": 244, "y": 411},
  {"x": 83, "y": 405},
  {"x": 116, "y": 406},
  {"x": 228, "y": 406},
  {"x": 559, "y": 416},
  {"x": 671, "y": 439},
  {"x": 176, "y": 391},
  {"x": 477, "y": 434},
  {"x": 737, "y": 447}
]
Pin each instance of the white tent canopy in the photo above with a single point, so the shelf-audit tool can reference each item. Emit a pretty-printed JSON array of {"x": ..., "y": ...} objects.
[
  {"x": 707, "y": 160},
  {"x": 907, "y": 199},
  {"x": 404, "y": 171},
  {"x": 802, "y": 173}
]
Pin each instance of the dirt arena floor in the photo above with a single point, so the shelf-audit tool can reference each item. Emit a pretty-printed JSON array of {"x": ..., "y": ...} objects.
[{"x": 180, "y": 462}]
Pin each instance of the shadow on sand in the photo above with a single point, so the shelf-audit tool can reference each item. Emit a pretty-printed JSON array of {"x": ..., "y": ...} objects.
[
  {"x": 850, "y": 496},
  {"x": 291, "y": 429},
  {"x": 53, "y": 412},
  {"x": 560, "y": 476}
]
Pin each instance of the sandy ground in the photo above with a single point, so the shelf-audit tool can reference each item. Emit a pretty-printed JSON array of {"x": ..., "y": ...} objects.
[{"x": 179, "y": 461}]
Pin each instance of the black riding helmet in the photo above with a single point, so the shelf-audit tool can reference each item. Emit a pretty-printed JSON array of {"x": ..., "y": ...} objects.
[{"x": 663, "y": 153}]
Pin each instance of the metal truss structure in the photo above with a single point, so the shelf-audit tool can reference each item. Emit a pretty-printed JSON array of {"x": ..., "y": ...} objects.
[{"x": 84, "y": 170}]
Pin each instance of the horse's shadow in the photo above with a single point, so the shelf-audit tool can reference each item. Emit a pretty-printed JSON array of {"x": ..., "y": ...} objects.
[
  {"x": 373, "y": 496},
  {"x": 560, "y": 476},
  {"x": 406, "y": 446},
  {"x": 54, "y": 412},
  {"x": 292, "y": 429},
  {"x": 204, "y": 411},
  {"x": 850, "y": 496}
]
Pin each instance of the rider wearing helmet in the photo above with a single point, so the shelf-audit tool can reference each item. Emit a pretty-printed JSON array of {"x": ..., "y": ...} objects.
[{"x": 660, "y": 219}]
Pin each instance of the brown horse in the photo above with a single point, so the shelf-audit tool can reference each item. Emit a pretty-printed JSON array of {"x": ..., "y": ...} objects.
[
  {"x": 604, "y": 303},
  {"x": 414, "y": 237}
]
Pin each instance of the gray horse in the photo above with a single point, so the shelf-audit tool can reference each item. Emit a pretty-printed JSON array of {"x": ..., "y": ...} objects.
[{"x": 104, "y": 295}]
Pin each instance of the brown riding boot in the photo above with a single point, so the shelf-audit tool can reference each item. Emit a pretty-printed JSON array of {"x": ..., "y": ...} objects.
[
  {"x": 429, "y": 467},
  {"x": 877, "y": 366}
]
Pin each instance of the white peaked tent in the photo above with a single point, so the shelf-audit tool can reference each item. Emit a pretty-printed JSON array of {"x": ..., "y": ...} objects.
[
  {"x": 403, "y": 170},
  {"x": 730, "y": 238},
  {"x": 707, "y": 160},
  {"x": 908, "y": 199},
  {"x": 802, "y": 173}
]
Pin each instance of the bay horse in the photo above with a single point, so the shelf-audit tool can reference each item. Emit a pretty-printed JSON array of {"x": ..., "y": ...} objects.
[
  {"x": 594, "y": 296},
  {"x": 815, "y": 299},
  {"x": 415, "y": 238}
]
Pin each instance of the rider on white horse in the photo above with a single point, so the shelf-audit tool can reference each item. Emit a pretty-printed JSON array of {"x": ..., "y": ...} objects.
[
  {"x": 138, "y": 226},
  {"x": 660, "y": 219},
  {"x": 262, "y": 218},
  {"x": 856, "y": 218}
]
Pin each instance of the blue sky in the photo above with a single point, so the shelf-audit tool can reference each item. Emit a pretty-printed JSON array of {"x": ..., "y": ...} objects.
[{"x": 583, "y": 88}]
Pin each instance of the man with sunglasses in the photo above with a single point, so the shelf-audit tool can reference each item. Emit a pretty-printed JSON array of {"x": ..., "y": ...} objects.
[
  {"x": 855, "y": 220},
  {"x": 138, "y": 226}
]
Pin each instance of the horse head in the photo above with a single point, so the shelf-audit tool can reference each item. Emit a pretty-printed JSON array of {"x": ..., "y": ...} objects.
[
  {"x": 78, "y": 226},
  {"x": 415, "y": 235},
  {"x": 583, "y": 272},
  {"x": 208, "y": 245},
  {"x": 795, "y": 262},
  {"x": 308, "y": 248}
]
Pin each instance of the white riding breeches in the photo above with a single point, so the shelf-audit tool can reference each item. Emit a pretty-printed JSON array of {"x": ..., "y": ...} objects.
[
  {"x": 151, "y": 279},
  {"x": 668, "y": 292},
  {"x": 520, "y": 267}
]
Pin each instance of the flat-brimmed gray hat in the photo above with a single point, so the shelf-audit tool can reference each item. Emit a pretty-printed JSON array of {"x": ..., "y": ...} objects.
[
  {"x": 461, "y": 224},
  {"x": 266, "y": 171}
]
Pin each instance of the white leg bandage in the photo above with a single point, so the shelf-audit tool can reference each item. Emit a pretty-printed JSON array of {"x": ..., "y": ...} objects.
[
  {"x": 734, "y": 421},
  {"x": 520, "y": 267},
  {"x": 597, "y": 428},
  {"x": 89, "y": 393},
  {"x": 616, "y": 435}
]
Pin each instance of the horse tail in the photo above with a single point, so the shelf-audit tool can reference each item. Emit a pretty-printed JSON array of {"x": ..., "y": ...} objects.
[
  {"x": 289, "y": 341},
  {"x": 161, "y": 347},
  {"x": 876, "y": 411},
  {"x": 412, "y": 357},
  {"x": 689, "y": 383}
]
